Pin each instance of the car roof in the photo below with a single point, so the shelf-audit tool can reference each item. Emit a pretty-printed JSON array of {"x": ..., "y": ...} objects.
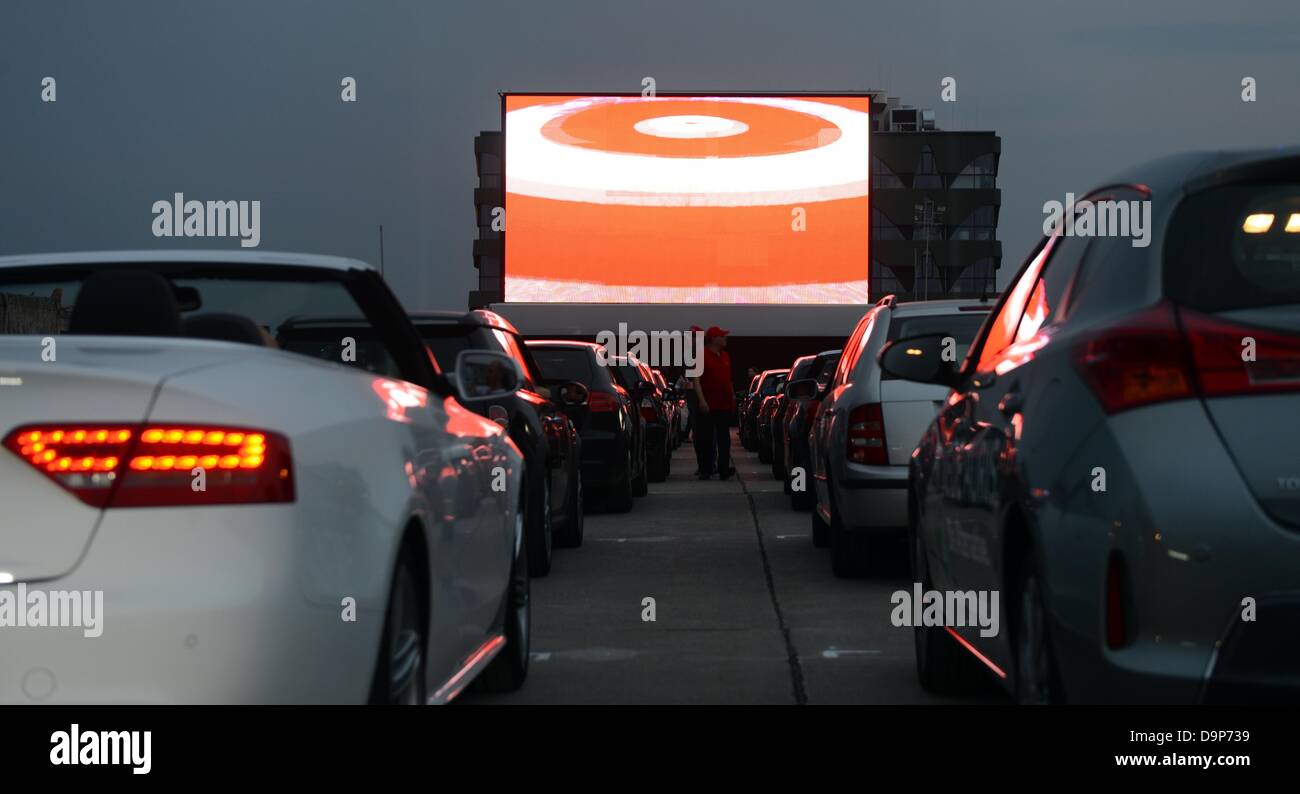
[
  {"x": 561, "y": 343},
  {"x": 1197, "y": 169},
  {"x": 477, "y": 317},
  {"x": 223, "y": 257},
  {"x": 948, "y": 306}
]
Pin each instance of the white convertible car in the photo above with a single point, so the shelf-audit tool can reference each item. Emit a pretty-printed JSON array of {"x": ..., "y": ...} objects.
[{"x": 241, "y": 477}]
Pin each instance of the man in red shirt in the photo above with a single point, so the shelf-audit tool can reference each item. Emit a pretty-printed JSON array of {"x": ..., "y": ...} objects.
[{"x": 716, "y": 396}]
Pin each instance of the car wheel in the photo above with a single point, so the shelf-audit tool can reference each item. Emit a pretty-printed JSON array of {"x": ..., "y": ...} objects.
[
  {"x": 659, "y": 468},
  {"x": 620, "y": 494},
  {"x": 848, "y": 550},
  {"x": 764, "y": 450},
  {"x": 540, "y": 537},
  {"x": 399, "y": 675},
  {"x": 942, "y": 666},
  {"x": 571, "y": 537},
  {"x": 821, "y": 531},
  {"x": 1037, "y": 682},
  {"x": 507, "y": 671},
  {"x": 640, "y": 486}
]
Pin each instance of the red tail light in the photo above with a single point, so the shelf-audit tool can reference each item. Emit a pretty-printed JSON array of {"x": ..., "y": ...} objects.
[
  {"x": 153, "y": 465},
  {"x": 602, "y": 402},
  {"x": 1116, "y": 624},
  {"x": 648, "y": 410},
  {"x": 1150, "y": 358},
  {"x": 866, "y": 436}
]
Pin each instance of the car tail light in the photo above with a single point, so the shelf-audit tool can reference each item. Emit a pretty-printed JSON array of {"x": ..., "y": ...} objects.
[
  {"x": 1116, "y": 623},
  {"x": 1218, "y": 349},
  {"x": 1164, "y": 353},
  {"x": 602, "y": 402},
  {"x": 118, "y": 465},
  {"x": 866, "y": 436}
]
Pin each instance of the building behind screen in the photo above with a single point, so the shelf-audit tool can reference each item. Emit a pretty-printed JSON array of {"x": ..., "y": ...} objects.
[{"x": 934, "y": 209}]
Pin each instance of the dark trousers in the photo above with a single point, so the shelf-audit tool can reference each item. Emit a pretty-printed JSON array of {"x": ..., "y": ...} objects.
[{"x": 713, "y": 441}]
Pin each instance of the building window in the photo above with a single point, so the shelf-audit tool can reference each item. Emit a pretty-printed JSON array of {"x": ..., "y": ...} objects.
[
  {"x": 927, "y": 173},
  {"x": 882, "y": 228},
  {"x": 980, "y": 174},
  {"x": 976, "y": 280},
  {"x": 882, "y": 176},
  {"x": 981, "y": 224}
]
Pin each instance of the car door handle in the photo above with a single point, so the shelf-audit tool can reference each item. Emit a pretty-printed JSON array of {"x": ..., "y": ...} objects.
[{"x": 1010, "y": 403}]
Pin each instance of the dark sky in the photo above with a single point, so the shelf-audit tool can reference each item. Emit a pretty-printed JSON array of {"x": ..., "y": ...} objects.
[{"x": 240, "y": 100}]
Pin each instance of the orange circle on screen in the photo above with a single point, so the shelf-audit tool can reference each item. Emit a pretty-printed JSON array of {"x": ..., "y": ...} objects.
[{"x": 610, "y": 127}]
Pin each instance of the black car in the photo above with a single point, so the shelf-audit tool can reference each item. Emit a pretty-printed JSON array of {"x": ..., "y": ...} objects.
[
  {"x": 651, "y": 401},
  {"x": 765, "y": 404},
  {"x": 608, "y": 421},
  {"x": 797, "y": 421},
  {"x": 535, "y": 419}
]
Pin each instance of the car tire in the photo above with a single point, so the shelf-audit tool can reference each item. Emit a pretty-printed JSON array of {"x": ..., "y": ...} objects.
[
  {"x": 571, "y": 536},
  {"x": 764, "y": 451},
  {"x": 848, "y": 550},
  {"x": 509, "y": 668},
  {"x": 640, "y": 486},
  {"x": 619, "y": 499},
  {"x": 821, "y": 531},
  {"x": 399, "y": 675},
  {"x": 942, "y": 666},
  {"x": 540, "y": 535},
  {"x": 1037, "y": 677}
]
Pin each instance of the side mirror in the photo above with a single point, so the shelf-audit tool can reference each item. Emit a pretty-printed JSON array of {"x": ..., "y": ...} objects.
[
  {"x": 920, "y": 359},
  {"x": 574, "y": 393},
  {"x": 485, "y": 375},
  {"x": 803, "y": 389}
]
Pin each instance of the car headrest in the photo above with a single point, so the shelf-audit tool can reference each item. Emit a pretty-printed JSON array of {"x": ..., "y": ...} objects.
[
  {"x": 224, "y": 327},
  {"x": 126, "y": 303}
]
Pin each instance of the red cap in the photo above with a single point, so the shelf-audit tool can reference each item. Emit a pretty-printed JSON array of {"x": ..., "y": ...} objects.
[{"x": 714, "y": 331}]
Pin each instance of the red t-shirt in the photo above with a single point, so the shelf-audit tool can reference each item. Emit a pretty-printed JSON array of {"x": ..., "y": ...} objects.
[{"x": 715, "y": 381}]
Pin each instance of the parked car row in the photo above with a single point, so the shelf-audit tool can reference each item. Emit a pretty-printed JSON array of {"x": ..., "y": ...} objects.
[
  {"x": 1109, "y": 445},
  {"x": 265, "y": 453}
]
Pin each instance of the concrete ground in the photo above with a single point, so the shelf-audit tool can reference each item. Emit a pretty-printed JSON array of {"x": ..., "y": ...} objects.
[{"x": 746, "y": 609}]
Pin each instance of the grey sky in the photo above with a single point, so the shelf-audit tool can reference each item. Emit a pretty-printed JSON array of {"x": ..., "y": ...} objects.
[{"x": 240, "y": 100}]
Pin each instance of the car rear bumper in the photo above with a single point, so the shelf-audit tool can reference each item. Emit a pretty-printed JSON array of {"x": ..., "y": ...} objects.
[
  {"x": 203, "y": 605},
  {"x": 872, "y": 498}
]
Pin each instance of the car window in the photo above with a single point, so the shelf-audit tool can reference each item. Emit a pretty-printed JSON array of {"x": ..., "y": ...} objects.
[
  {"x": 506, "y": 343},
  {"x": 564, "y": 364},
  {"x": 1001, "y": 331},
  {"x": 308, "y": 311},
  {"x": 853, "y": 348},
  {"x": 447, "y": 340},
  {"x": 962, "y": 327},
  {"x": 1235, "y": 247}
]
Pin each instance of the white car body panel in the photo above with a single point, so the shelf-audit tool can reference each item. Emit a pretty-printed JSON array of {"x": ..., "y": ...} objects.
[{"x": 244, "y": 602}]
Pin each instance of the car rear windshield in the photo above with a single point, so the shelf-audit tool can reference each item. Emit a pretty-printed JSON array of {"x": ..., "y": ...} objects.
[
  {"x": 771, "y": 384},
  {"x": 303, "y": 310},
  {"x": 961, "y": 327},
  {"x": 447, "y": 340},
  {"x": 1235, "y": 247},
  {"x": 561, "y": 365}
]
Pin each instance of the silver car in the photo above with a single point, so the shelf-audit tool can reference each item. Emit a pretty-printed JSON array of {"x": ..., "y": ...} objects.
[
  {"x": 1118, "y": 453},
  {"x": 868, "y": 425}
]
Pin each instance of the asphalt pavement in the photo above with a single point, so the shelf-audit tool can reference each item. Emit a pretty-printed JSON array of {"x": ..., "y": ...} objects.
[{"x": 746, "y": 610}]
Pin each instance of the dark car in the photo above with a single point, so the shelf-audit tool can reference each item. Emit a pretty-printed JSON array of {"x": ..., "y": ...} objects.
[
  {"x": 767, "y": 400},
  {"x": 742, "y": 411},
  {"x": 608, "y": 420},
  {"x": 639, "y": 381},
  {"x": 536, "y": 422},
  {"x": 671, "y": 405},
  {"x": 1117, "y": 454},
  {"x": 797, "y": 420},
  {"x": 748, "y": 416}
]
